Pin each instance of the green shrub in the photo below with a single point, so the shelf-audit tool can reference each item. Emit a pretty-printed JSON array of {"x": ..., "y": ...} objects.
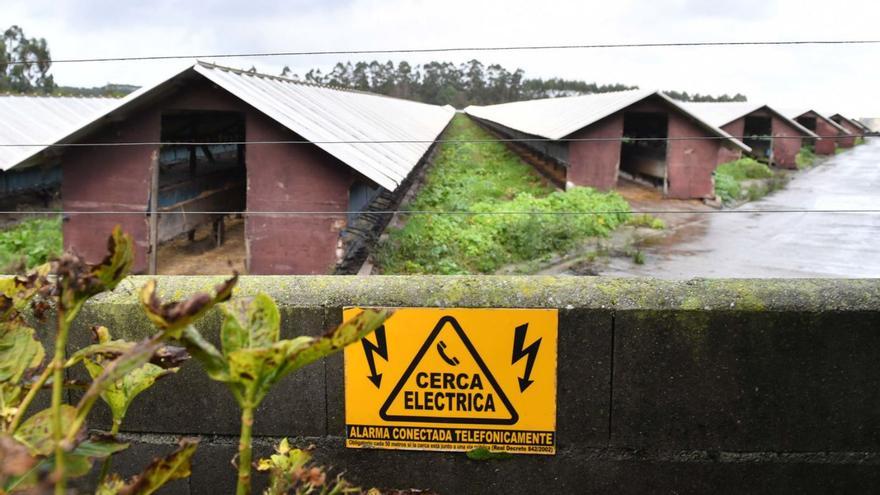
[
  {"x": 30, "y": 243},
  {"x": 805, "y": 157},
  {"x": 744, "y": 169},
  {"x": 502, "y": 192},
  {"x": 727, "y": 189}
]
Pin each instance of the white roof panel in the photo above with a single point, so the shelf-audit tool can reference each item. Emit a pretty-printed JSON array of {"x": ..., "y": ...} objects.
[
  {"x": 723, "y": 113},
  {"x": 41, "y": 120},
  {"x": 556, "y": 118}
]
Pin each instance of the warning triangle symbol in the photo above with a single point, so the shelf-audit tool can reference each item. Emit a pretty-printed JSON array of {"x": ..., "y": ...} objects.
[{"x": 448, "y": 382}]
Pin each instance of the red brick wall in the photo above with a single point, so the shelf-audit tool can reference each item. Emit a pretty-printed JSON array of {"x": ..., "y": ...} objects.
[
  {"x": 280, "y": 177},
  {"x": 736, "y": 129},
  {"x": 848, "y": 141},
  {"x": 826, "y": 145},
  {"x": 596, "y": 163},
  {"x": 690, "y": 162},
  {"x": 293, "y": 177},
  {"x": 785, "y": 150},
  {"x": 109, "y": 179}
]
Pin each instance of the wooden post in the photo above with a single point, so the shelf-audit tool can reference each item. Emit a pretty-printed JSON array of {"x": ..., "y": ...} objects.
[{"x": 154, "y": 208}]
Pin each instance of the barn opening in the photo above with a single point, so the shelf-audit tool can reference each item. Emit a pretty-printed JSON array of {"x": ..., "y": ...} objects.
[
  {"x": 809, "y": 123},
  {"x": 643, "y": 149},
  {"x": 201, "y": 193},
  {"x": 757, "y": 133}
]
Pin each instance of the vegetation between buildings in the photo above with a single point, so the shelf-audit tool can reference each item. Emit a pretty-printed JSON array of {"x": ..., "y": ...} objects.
[
  {"x": 746, "y": 179},
  {"x": 489, "y": 179}
]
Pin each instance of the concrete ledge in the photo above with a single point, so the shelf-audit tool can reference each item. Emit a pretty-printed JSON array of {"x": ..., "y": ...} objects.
[{"x": 688, "y": 386}]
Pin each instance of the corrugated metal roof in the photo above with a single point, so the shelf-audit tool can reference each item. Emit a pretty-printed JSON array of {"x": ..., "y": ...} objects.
[
  {"x": 556, "y": 118},
  {"x": 794, "y": 113},
  {"x": 42, "y": 119},
  {"x": 852, "y": 122},
  {"x": 723, "y": 113},
  {"x": 326, "y": 114},
  {"x": 319, "y": 113}
]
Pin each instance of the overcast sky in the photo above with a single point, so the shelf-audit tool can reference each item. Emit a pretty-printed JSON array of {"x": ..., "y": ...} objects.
[{"x": 841, "y": 78}]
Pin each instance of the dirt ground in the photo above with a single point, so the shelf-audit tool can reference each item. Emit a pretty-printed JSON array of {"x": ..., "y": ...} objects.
[{"x": 180, "y": 256}]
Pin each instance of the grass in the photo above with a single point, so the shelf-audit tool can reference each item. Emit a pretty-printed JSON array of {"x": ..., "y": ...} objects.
[
  {"x": 29, "y": 243},
  {"x": 860, "y": 140},
  {"x": 489, "y": 179},
  {"x": 730, "y": 176},
  {"x": 648, "y": 221},
  {"x": 805, "y": 158}
]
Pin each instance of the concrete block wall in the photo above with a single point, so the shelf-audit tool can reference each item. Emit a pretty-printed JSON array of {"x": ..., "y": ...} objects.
[{"x": 722, "y": 386}]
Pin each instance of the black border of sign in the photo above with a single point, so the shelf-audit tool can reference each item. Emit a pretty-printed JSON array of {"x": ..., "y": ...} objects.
[{"x": 383, "y": 412}]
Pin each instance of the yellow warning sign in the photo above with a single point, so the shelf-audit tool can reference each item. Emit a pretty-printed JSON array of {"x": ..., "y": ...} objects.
[{"x": 454, "y": 379}]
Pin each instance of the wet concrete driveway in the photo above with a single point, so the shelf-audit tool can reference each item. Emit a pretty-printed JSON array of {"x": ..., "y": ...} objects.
[{"x": 755, "y": 244}]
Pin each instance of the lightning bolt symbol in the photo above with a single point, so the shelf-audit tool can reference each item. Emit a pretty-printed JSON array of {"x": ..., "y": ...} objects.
[
  {"x": 530, "y": 353},
  {"x": 380, "y": 348}
]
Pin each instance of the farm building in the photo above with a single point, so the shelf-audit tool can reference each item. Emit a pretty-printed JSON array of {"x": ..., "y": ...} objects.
[
  {"x": 591, "y": 140},
  {"x": 296, "y": 168},
  {"x": 851, "y": 126},
  {"x": 37, "y": 120},
  {"x": 773, "y": 137},
  {"x": 826, "y": 128}
]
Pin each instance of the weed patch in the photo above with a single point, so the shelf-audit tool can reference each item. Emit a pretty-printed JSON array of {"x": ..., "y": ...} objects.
[
  {"x": 30, "y": 243},
  {"x": 517, "y": 216},
  {"x": 730, "y": 176},
  {"x": 805, "y": 158}
]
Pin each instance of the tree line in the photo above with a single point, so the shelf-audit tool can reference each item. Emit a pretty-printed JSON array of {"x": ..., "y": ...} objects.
[
  {"x": 439, "y": 83},
  {"x": 468, "y": 83}
]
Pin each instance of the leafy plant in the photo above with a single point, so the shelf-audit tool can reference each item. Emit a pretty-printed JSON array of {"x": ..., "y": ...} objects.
[
  {"x": 292, "y": 471},
  {"x": 252, "y": 357},
  {"x": 55, "y": 440},
  {"x": 29, "y": 243},
  {"x": 729, "y": 177},
  {"x": 48, "y": 448}
]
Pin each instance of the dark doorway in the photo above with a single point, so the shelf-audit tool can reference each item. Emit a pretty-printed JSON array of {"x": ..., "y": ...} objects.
[
  {"x": 758, "y": 134},
  {"x": 201, "y": 193},
  {"x": 641, "y": 159},
  {"x": 809, "y": 123}
]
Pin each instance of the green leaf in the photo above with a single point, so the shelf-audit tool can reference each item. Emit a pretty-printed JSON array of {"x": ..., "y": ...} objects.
[
  {"x": 79, "y": 280},
  {"x": 19, "y": 351},
  {"x": 212, "y": 360},
  {"x": 17, "y": 292},
  {"x": 105, "y": 350},
  {"x": 36, "y": 431},
  {"x": 250, "y": 323},
  {"x": 484, "y": 454},
  {"x": 173, "y": 466},
  {"x": 76, "y": 464},
  {"x": 120, "y": 394},
  {"x": 174, "y": 317},
  {"x": 334, "y": 341},
  {"x": 99, "y": 447}
]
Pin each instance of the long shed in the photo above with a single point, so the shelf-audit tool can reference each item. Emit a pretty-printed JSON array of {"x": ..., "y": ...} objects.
[
  {"x": 830, "y": 131},
  {"x": 773, "y": 137},
  {"x": 851, "y": 126},
  {"x": 591, "y": 140},
  {"x": 305, "y": 166}
]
